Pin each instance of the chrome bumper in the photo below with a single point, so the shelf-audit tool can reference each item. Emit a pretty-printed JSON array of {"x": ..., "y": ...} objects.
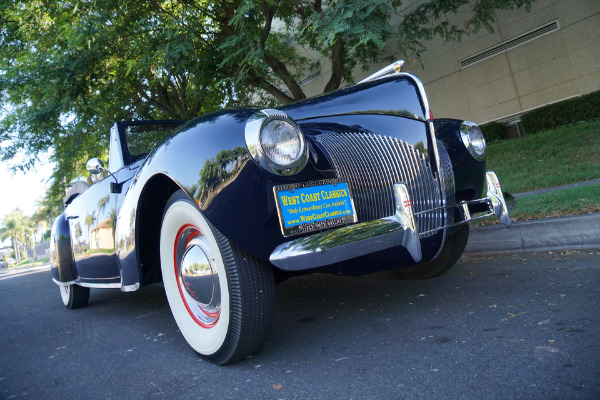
[{"x": 351, "y": 241}]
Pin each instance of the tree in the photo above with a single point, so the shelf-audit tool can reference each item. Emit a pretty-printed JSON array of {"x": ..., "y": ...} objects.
[
  {"x": 14, "y": 226},
  {"x": 69, "y": 69}
]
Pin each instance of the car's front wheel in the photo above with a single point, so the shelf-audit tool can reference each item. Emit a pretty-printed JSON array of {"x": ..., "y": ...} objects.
[
  {"x": 74, "y": 296},
  {"x": 223, "y": 299}
]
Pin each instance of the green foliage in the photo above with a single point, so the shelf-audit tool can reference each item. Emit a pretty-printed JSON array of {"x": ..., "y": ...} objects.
[
  {"x": 18, "y": 228},
  {"x": 417, "y": 26},
  {"x": 583, "y": 108},
  {"x": 216, "y": 171},
  {"x": 69, "y": 70},
  {"x": 493, "y": 132},
  {"x": 558, "y": 157}
]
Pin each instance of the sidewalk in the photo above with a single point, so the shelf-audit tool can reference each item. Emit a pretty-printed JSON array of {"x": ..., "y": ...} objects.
[
  {"x": 561, "y": 233},
  {"x": 573, "y": 232}
]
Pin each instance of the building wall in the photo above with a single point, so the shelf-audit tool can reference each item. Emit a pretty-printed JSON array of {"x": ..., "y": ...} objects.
[{"x": 547, "y": 69}]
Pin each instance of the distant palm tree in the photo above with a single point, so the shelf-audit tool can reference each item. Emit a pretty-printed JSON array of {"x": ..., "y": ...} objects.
[
  {"x": 89, "y": 221},
  {"x": 101, "y": 206},
  {"x": 14, "y": 226},
  {"x": 113, "y": 223}
]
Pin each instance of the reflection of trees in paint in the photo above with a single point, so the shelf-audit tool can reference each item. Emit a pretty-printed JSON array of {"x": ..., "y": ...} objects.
[
  {"x": 78, "y": 231},
  {"x": 421, "y": 147},
  {"x": 89, "y": 221},
  {"x": 102, "y": 203},
  {"x": 217, "y": 170},
  {"x": 347, "y": 235},
  {"x": 101, "y": 206},
  {"x": 112, "y": 217}
]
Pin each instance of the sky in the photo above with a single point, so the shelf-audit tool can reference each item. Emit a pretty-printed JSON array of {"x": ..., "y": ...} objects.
[{"x": 22, "y": 190}]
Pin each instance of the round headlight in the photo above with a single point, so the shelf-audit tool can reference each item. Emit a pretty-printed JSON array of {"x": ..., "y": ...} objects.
[
  {"x": 276, "y": 142},
  {"x": 281, "y": 142},
  {"x": 473, "y": 140}
]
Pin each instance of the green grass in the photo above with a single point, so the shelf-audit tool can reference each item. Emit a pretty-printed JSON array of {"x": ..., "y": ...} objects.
[
  {"x": 28, "y": 263},
  {"x": 561, "y": 203},
  {"x": 561, "y": 156}
]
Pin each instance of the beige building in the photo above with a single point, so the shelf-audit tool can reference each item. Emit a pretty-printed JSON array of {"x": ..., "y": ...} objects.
[{"x": 530, "y": 60}]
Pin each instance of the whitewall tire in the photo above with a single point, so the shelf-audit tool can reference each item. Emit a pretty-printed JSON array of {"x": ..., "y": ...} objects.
[
  {"x": 222, "y": 299},
  {"x": 74, "y": 296}
]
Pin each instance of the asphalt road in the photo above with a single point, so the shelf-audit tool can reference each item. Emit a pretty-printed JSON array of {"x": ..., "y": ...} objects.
[{"x": 522, "y": 326}]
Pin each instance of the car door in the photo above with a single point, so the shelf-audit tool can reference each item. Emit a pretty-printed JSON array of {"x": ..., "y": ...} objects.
[{"x": 92, "y": 219}]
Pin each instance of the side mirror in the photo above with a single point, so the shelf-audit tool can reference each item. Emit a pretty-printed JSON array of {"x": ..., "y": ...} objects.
[{"x": 94, "y": 166}]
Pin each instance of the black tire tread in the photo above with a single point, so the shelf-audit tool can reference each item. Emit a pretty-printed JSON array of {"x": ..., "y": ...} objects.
[
  {"x": 78, "y": 297},
  {"x": 252, "y": 302}
]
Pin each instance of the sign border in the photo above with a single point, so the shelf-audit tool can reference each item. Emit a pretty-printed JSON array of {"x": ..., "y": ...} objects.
[{"x": 315, "y": 225}]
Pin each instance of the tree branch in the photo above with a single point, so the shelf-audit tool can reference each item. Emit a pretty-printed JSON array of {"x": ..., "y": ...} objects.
[
  {"x": 317, "y": 6},
  {"x": 269, "y": 14},
  {"x": 282, "y": 72},
  {"x": 261, "y": 83},
  {"x": 337, "y": 54}
]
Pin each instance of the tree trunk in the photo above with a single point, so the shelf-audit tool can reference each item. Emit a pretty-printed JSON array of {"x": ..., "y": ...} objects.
[
  {"x": 16, "y": 248},
  {"x": 337, "y": 53}
]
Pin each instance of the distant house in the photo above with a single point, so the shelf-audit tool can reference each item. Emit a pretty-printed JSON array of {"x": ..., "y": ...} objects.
[{"x": 5, "y": 251}]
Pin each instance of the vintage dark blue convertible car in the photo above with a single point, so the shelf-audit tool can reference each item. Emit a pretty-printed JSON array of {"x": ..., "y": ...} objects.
[{"x": 222, "y": 207}]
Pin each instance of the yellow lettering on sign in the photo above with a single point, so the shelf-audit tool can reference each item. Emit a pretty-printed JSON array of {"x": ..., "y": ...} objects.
[
  {"x": 334, "y": 194},
  {"x": 307, "y": 198},
  {"x": 290, "y": 200}
]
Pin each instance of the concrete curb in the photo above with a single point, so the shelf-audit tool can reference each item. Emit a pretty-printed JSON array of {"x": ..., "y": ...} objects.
[{"x": 574, "y": 232}]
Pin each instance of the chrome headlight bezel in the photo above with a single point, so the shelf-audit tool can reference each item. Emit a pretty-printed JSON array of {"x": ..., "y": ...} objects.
[
  {"x": 254, "y": 143},
  {"x": 473, "y": 139}
]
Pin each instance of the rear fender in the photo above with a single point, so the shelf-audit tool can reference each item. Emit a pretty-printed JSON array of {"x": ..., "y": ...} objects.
[{"x": 61, "y": 254}]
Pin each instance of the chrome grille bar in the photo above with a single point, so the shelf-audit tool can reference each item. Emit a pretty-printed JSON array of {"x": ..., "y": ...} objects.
[{"x": 372, "y": 164}]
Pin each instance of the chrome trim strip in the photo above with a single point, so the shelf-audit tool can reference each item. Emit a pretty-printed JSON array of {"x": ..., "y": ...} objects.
[
  {"x": 486, "y": 200},
  {"x": 130, "y": 288},
  {"x": 391, "y": 69},
  {"x": 369, "y": 112},
  {"x": 63, "y": 283},
  {"x": 101, "y": 285},
  {"x": 434, "y": 144},
  {"x": 92, "y": 285}
]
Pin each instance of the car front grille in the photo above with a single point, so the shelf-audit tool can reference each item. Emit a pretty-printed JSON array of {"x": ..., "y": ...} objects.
[{"x": 372, "y": 164}]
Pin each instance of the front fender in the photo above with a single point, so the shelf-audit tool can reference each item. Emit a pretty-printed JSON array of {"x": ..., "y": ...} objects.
[
  {"x": 61, "y": 254},
  {"x": 206, "y": 158},
  {"x": 469, "y": 173}
]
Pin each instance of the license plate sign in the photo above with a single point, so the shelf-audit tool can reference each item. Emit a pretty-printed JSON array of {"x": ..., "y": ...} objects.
[{"x": 311, "y": 206}]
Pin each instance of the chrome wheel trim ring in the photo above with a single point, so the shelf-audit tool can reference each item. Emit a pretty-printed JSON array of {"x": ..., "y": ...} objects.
[{"x": 197, "y": 276}]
